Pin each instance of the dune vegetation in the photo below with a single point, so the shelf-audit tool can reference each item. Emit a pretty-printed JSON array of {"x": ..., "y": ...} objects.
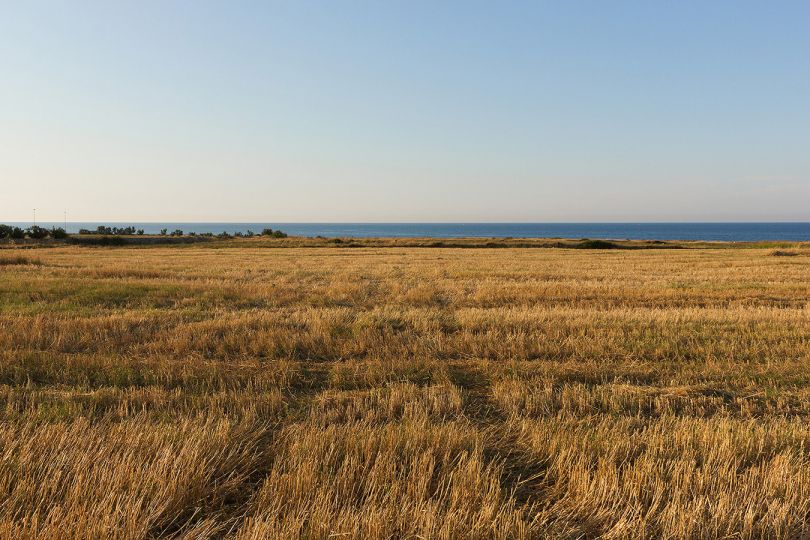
[{"x": 260, "y": 388}]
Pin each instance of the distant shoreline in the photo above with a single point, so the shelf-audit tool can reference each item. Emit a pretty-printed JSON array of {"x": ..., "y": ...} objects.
[
  {"x": 705, "y": 232},
  {"x": 351, "y": 244}
]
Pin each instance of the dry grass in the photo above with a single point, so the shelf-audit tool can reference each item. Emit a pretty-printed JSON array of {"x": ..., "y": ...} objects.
[{"x": 265, "y": 389}]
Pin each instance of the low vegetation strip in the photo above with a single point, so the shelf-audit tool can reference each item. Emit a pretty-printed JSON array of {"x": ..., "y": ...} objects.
[
  {"x": 130, "y": 236},
  {"x": 256, "y": 388},
  {"x": 18, "y": 260}
]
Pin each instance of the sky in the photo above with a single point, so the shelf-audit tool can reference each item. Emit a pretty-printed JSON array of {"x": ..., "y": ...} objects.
[{"x": 417, "y": 111}]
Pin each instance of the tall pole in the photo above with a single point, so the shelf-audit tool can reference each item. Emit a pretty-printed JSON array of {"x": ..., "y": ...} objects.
[{"x": 35, "y": 217}]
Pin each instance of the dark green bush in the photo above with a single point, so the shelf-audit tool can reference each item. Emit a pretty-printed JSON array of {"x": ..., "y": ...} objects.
[
  {"x": 36, "y": 232},
  {"x": 597, "y": 244},
  {"x": 274, "y": 234}
]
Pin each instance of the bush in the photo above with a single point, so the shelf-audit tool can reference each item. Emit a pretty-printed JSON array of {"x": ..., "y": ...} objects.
[
  {"x": 163, "y": 232},
  {"x": 597, "y": 244},
  {"x": 36, "y": 232},
  {"x": 58, "y": 233},
  {"x": 5, "y": 231},
  {"x": 177, "y": 232}
]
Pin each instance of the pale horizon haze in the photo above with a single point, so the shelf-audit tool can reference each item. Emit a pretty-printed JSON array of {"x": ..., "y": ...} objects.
[{"x": 405, "y": 111}]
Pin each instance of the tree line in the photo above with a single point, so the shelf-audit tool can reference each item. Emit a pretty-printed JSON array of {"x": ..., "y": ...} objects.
[
  {"x": 103, "y": 229},
  {"x": 35, "y": 232},
  {"x": 39, "y": 233}
]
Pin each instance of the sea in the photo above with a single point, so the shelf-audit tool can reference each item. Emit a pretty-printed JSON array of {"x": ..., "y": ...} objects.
[{"x": 728, "y": 232}]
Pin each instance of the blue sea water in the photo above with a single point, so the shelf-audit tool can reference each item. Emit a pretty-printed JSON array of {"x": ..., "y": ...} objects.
[{"x": 737, "y": 232}]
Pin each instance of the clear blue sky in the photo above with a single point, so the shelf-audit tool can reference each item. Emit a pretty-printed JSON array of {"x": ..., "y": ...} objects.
[{"x": 405, "y": 111}]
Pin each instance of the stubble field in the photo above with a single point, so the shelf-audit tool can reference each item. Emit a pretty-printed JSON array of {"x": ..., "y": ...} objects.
[{"x": 248, "y": 391}]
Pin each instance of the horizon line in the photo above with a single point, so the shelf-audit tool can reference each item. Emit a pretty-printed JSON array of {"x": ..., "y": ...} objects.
[{"x": 698, "y": 222}]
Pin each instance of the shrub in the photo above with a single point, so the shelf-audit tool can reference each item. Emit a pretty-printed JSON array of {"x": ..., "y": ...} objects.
[
  {"x": 177, "y": 232},
  {"x": 58, "y": 233},
  {"x": 36, "y": 232},
  {"x": 163, "y": 232},
  {"x": 597, "y": 244}
]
